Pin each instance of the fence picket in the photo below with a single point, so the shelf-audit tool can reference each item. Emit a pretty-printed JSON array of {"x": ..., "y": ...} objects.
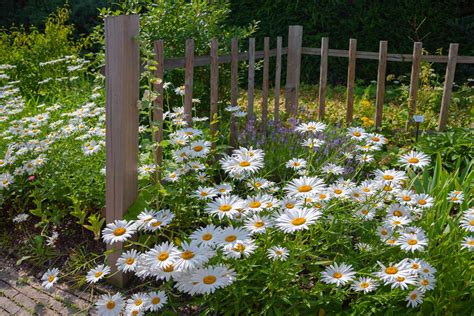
[
  {"x": 276, "y": 113},
  {"x": 158, "y": 105},
  {"x": 381, "y": 83},
  {"x": 295, "y": 38},
  {"x": 214, "y": 88},
  {"x": 188, "y": 81},
  {"x": 351, "y": 80},
  {"x": 122, "y": 68},
  {"x": 251, "y": 79},
  {"x": 234, "y": 88},
  {"x": 414, "y": 81},
  {"x": 323, "y": 76},
  {"x": 266, "y": 65},
  {"x": 448, "y": 86}
]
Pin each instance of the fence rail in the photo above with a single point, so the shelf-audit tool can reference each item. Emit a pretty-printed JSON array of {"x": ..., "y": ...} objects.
[{"x": 122, "y": 81}]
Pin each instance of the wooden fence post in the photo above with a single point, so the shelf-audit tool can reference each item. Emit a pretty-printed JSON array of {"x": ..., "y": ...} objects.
[
  {"x": 266, "y": 65},
  {"x": 323, "y": 76},
  {"x": 276, "y": 115},
  {"x": 351, "y": 80},
  {"x": 234, "y": 88},
  {"x": 188, "y": 81},
  {"x": 295, "y": 39},
  {"x": 214, "y": 88},
  {"x": 414, "y": 82},
  {"x": 381, "y": 83},
  {"x": 158, "y": 105},
  {"x": 448, "y": 86},
  {"x": 251, "y": 79},
  {"x": 122, "y": 68}
]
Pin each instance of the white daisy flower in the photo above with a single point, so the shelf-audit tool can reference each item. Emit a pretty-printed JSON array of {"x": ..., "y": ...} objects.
[
  {"x": 390, "y": 176},
  {"x": 415, "y": 160},
  {"x": 207, "y": 280},
  {"x": 49, "y": 278},
  {"x": 339, "y": 274},
  {"x": 138, "y": 301},
  {"x": 277, "y": 253},
  {"x": 468, "y": 243},
  {"x": 365, "y": 285},
  {"x": 157, "y": 300},
  {"x": 412, "y": 242},
  {"x": 204, "y": 193},
  {"x": 110, "y": 305},
  {"x": 199, "y": 148},
  {"x": 375, "y": 139},
  {"x": 230, "y": 234},
  {"x": 97, "y": 273},
  {"x": 310, "y": 127},
  {"x": 118, "y": 231},
  {"x": 162, "y": 255},
  {"x": 393, "y": 271},
  {"x": 128, "y": 261},
  {"x": 225, "y": 206},
  {"x": 423, "y": 200},
  {"x": 426, "y": 283},
  {"x": 398, "y": 210},
  {"x": 456, "y": 197},
  {"x": 224, "y": 188},
  {"x": 397, "y": 221},
  {"x": 256, "y": 203},
  {"x": 356, "y": 133},
  {"x": 160, "y": 219},
  {"x": 414, "y": 298},
  {"x": 192, "y": 256},
  {"x": 20, "y": 218},
  {"x": 296, "y": 163},
  {"x": 146, "y": 169},
  {"x": 206, "y": 236},
  {"x": 242, "y": 164},
  {"x": 296, "y": 219},
  {"x": 365, "y": 213},
  {"x": 240, "y": 249},
  {"x": 312, "y": 143},
  {"x": 257, "y": 224},
  {"x": 331, "y": 168},
  {"x": 305, "y": 187},
  {"x": 5, "y": 180}
]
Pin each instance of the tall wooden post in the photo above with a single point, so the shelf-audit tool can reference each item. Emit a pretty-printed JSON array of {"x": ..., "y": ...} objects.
[
  {"x": 323, "y": 76},
  {"x": 266, "y": 65},
  {"x": 122, "y": 68},
  {"x": 381, "y": 83},
  {"x": 295, "y": 40},
  {"x": 159, "y": 104},
  {"x": 188, "y": 81},
  {"x": 414, "y": 82},
  {"x": 214, "y": 89},
  {"x": 276, "y": 115},
  {"x": 448, "y": 86},
  {"x": 351, "y": 80},
  {"x": 251, "y": 80},
  {"x": 234, "y": 88}
]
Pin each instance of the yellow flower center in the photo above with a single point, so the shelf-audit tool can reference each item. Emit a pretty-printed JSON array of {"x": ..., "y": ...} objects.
[
  {"x": 225, "y": 208},
  {"x": 244, "y": 163},
  {"x": 230, "y": 238},
  {"x": 186, "y": 255},
  {"x": 258, "y": 184},
  {"x": 413, "y": 296},
  {"x": 130, "y": 261},
  {"x": 198, "y": 148},
  {"x": 338, "y": 191},
  {"x": 322, "y": 196},
  {"x": 384, "y": 232},
  {"x": 255, "y": 204},
  {"x": 415, "y": 266},
  {"x": 388, "y": 177},
  {"x": 357, "y": 134},
  {"x": 119, "y": 231},
  {"x": 210, "y": 279},
  {"x": 471, "y": 223},
  {"x": 259, "y": 224},
  {"x": 364, "y": 285},
  {"x": 290, "y": 205},
  {"x": 391, "y": 270},
  {"x": 406, "y": 198},
  {"x": 51, "y": 278},
  {"x": 366, "y": 190},
  {"x": 375, "y": 139},
  {"x": 397, "y": 213},
  {"x": 305, "y": 188},
  {"x": 298, "y": 221},
  {"x": 163, "y": 256},
  {"x": 156, "y": 300},
  {"x": 207, "y": 237},
  {"x": 135, "y": 312},
  {"x": 391, "y": 241},
  {"x": 239, "y": 247},
  {"x": 400, "y": 279},
  {"x": 156, "y": 224},
  {"x": 412, "y": 242},
  {"x": 422, "y": 202},
  {"x": 204, "y": 194},
  {"x": 470, "y": 242},
  {"x": 138, "y": 302},
  {"x": 337, "y": 275},
  {"x": 279, "y": 252},
  {"x": 110, "y": 305},
  {"x": 413, "y": 160},
  {"x": 169, "y": 268},
  {"x": 396, "y": 222},
  {"x": 98, "y": 274},
  {"x": 425, "y": 282},
  {"x": 365, "y": 212}
]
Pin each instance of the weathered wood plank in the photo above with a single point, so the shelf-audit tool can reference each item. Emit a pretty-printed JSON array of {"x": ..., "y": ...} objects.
[
  {"x": 158, "y": 105},
  {"x": 414, "y": 82},
  {"x": 276, "y": 114},
  {"x": 351, "y": 80},
  {"x": 214, "y": 89},
  {"x": 295, "y": 38},
  {"x": 188, "y": 81},
  {"x": 323, "y": 76},
  {"x": 251, "y": 79},
  {"x": 234, "y": 88},
  {"x": 122, "y": 64},
  {"x": 448, "y": 86},
  {"x": 266, "y": 66},
  {"x": 380, "y": 83}
]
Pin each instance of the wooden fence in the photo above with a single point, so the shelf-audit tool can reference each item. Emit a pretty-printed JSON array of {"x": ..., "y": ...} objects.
[{"x": 122, "y": 84}]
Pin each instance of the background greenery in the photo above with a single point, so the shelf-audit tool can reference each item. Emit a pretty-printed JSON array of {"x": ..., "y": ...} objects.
[{"x": 435, "y": 23}]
